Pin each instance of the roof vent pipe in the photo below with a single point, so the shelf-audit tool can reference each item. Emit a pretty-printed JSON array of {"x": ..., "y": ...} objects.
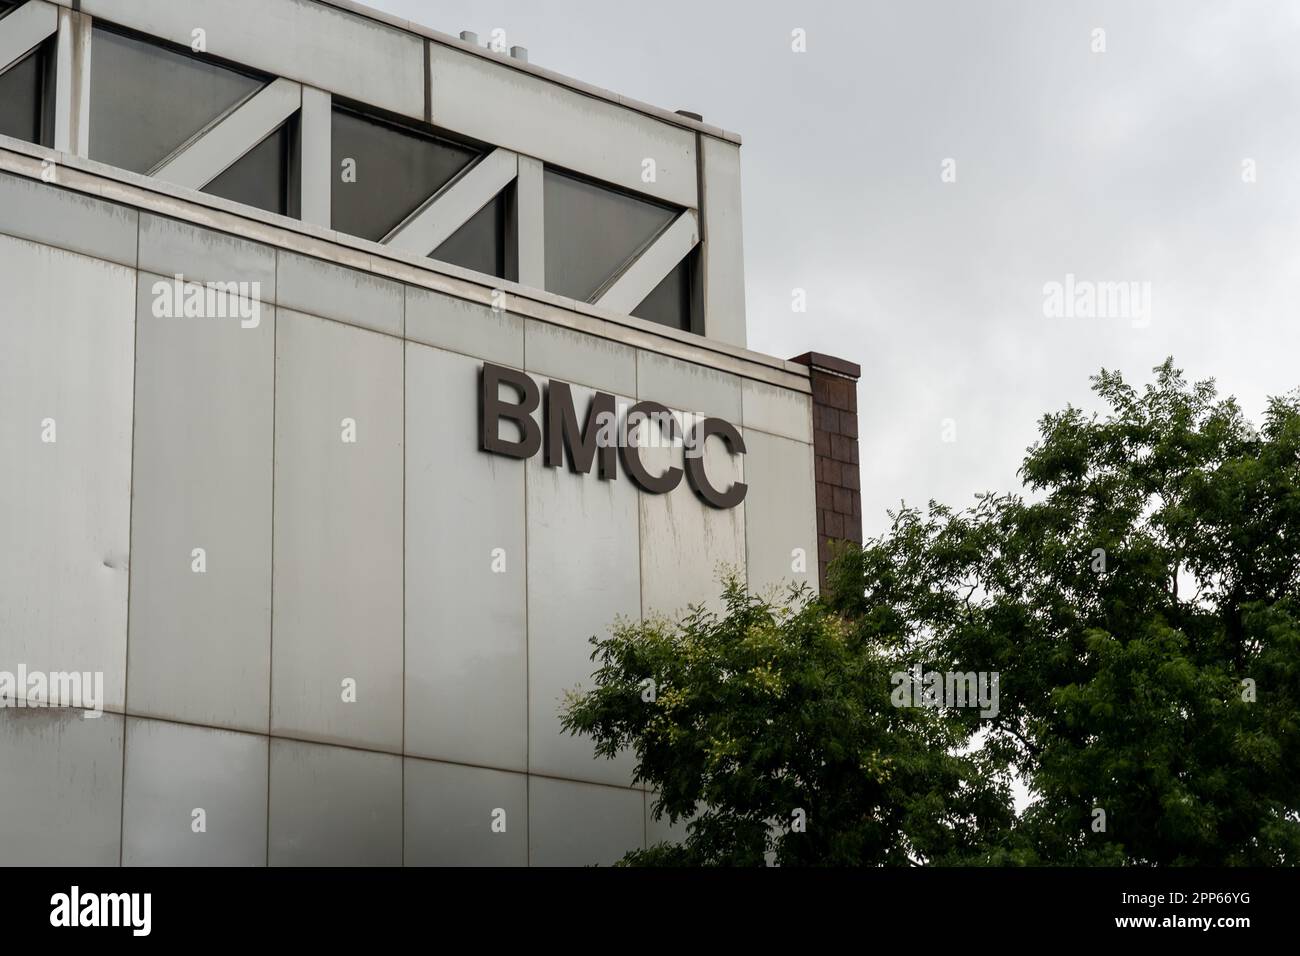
[
  {"x": 469, "y": 36},
  {"x": 519, "y": 53}
]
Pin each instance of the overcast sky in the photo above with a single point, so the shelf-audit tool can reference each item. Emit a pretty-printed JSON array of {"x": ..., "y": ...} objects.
[{"x": 1118, "y": 166}]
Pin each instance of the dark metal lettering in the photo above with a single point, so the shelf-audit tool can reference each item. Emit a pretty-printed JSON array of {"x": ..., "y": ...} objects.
[
  {"x": 491, "y": 410},
  {"x": 650, "y": 414},
  {"x": 562, "y": 432},
  {"x": 695, "y": 472}
]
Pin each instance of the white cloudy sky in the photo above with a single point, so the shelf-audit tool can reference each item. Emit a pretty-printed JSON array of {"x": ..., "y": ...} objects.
[{"x": 1117, "y": 166}]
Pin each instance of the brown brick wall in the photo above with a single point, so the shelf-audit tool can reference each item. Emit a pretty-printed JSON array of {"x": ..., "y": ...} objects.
[{"x": 835, "y": 448}]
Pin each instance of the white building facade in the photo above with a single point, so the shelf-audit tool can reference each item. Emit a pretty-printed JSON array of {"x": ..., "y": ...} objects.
[{"x": 258, "y": 261}]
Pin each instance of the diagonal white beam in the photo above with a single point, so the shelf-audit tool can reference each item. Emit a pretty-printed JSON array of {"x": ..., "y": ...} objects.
[
  {"x": 640, "y": 278},
  {"x": 455, "y": 204},
  {"x": 23, "y": 30},
  {"x": 212, "y": 153}
]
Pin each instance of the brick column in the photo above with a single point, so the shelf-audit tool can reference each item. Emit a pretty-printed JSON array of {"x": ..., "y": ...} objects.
[{"x": 835, "y": 449}]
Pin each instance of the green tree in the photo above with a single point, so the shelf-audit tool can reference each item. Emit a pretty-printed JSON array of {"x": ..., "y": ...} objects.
[
  {"x": 764, "y": 726},
  {"x": 1141, "y": 610}
]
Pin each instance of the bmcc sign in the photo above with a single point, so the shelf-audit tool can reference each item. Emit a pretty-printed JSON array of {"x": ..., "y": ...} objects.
[{"x": 600, "y": 439}]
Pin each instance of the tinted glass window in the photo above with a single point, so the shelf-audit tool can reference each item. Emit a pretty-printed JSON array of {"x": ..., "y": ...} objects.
[
  {"x": 20, "y": 99},
  {"x": 147, "y": 100},
  {"x": 260, "y": 177},
  {"x": 670, "y": 302},
  {"x": 383, "y": 173},
  {"x": 593, "y": 232},
  {"x": 480, "y": 244}
]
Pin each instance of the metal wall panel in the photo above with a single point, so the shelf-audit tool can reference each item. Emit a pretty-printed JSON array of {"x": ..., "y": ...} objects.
[
  {"x": 169, "y": 247},
  {"x": 506, "y": 107},
  {"x": 778, "y": 411},
  {"x": 466, "y": 619},
  {"x": 32, "y": 209},
  {"x": 583, "y": 572},
  {"x": 172, "y": 770},
  {"x": 582, "y": 824},
  {"x": 338, "y": 534},
  {"x": 201, "y": 640},
  {"x": 578, "y": 358},
  {"x": 299, "y": 39},
  {"x": 724, "y": 254},
  {"x": 686, "y": 545},
  {"x": 780, "y": 512},
  {"x": 60, "y": 789},
  {"x": 66, "y": 365},
  {"x": 464, "y": 816},
  {"x": 467, "y": 327},
  {"x": 336, "y": 292},
  {"x": 334, "y": 806},
  {"x": 687, "y": 386}
]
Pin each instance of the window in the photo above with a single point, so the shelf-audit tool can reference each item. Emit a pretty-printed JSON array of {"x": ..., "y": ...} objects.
[
  {"x": 593, "y": 232},
  {"x": 262, "y": 176},
  {"x": 26, "y": 96},
  {"x": 671, "y": 301},
  {"x": 383, "y": 172},
  {"x": 146, "y": 100},
  {"x": 480, "y": 244}
]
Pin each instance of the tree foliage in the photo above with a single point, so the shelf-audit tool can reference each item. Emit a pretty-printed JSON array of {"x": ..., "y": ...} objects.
[
  {"x": 759, "y": 715},
  {"x": 1139, "y": 602}
]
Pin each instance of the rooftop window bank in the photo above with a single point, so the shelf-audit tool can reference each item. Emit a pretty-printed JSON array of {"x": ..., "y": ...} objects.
[{"x": 312, "y": 317}]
